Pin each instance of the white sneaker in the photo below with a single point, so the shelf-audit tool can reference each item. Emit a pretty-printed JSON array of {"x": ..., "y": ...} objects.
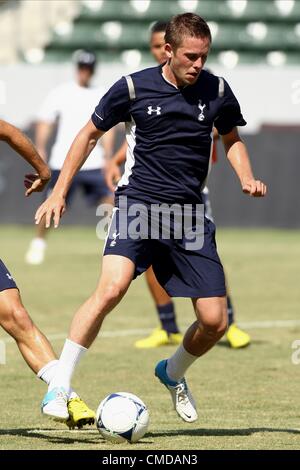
[
  {"x": 36, "y": 251},
  {"x": 182, "y": 398},
  {"x": 55, "y": 404}
]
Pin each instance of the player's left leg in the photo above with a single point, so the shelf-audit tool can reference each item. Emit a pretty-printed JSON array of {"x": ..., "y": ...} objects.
[
  {"x": 168, "y": 332},
  {"x": 236, "y": 337},
  {"x": 201, "y": 336}
]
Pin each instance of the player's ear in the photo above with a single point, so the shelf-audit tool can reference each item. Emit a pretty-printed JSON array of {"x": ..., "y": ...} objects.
[{"x": 169, "y": 51}]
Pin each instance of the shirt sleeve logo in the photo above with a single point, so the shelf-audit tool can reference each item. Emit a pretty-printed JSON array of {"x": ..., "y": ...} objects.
[
  {"x": 201, "y": 116},
  {"x": 152, "y": 110}
]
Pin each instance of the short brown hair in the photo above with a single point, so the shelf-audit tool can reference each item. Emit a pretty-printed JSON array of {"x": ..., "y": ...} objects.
[{"x": 186, "y": 25}]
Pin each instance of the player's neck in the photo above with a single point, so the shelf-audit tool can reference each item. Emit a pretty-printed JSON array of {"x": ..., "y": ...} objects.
[{"x": 170, "y": 76}]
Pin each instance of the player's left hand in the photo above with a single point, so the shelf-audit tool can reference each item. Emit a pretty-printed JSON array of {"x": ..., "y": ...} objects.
[
  {"x": 255, "y": 188},
  {"x": 35, "y": 183}
]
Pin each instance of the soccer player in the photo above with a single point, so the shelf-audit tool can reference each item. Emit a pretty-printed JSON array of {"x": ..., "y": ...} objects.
[
  {"x": 169, "y": 333},
  {"x": 71, "y": 103},
  {"x": 169, "y": 112},
  {"x": 33, "y": 345}
]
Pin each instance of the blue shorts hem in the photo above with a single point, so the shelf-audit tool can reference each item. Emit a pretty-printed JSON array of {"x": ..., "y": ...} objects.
[{"x": 195, "y": 294}]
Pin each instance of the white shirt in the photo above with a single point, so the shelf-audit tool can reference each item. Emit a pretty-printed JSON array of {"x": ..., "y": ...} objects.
[{"x": 73, "y": 105}]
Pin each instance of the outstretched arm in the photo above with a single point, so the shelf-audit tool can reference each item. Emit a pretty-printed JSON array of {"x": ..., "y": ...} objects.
[
  {"x": 80, "y": 149},
  {"x": 21, "y": 144},
  {"x": 237, "y": 154}
]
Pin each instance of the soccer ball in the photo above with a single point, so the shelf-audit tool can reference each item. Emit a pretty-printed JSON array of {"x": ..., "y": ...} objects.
[{"x": 122, "y": 417}]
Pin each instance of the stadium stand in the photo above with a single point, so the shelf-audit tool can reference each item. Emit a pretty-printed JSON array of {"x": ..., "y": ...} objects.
[{"x": 244, "y": 31}]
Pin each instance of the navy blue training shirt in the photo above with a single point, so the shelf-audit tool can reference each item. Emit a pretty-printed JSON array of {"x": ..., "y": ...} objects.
[{"x": 169, "y": 133}]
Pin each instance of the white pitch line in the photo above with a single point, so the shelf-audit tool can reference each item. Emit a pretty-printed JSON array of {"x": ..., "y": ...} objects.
[{"x": 267, "y": 324}]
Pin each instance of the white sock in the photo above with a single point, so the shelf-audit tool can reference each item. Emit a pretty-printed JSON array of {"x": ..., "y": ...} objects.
[
  {"x": 179, "y": 363},
  {"x": 47, "y": 373},
  {"x": 38, "y": 243},
  {"x": 69, "y": 358}
]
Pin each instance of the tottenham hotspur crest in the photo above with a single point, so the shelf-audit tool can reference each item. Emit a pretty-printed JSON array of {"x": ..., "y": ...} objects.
[
  {"x": 201, "y": 107},
  {"x": 115, "y": 235}
]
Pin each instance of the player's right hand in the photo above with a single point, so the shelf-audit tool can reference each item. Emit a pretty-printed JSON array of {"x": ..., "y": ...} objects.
[
  {"x": 112, "y": 174},
  {"x": 54, "y": 207}
]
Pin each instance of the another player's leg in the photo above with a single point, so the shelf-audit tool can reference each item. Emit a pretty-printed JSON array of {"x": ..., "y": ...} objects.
[
  {"x": 117, "y": 274},
  {"x": 35, "y": 348},
  {"x": 33, "y": 345},
  {"x": 236, "y": 337},
  {"x": 201, "y": 336},
  {"x": 36, "y": 252},
  {"x": 168, "y": 333}
]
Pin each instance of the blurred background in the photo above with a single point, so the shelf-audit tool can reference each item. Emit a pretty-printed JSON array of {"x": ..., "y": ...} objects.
[{"x": 256, "y": 47}]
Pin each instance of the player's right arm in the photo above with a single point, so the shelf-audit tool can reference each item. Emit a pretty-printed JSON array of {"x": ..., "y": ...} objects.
[
  {"x": 112, "y": 171},
  {"x": 112, "y": 109},
  {"x": 80, "y": 149}
]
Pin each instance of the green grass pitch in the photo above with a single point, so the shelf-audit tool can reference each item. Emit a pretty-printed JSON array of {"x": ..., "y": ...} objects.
[{"x": 247, "y": 399}]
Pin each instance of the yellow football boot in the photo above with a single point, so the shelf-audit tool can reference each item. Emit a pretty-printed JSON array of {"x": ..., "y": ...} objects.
[
  {"x": 158, "y": 337},
  {"x": 236, "y": 337},
  {"x": 79, "y": 413}
]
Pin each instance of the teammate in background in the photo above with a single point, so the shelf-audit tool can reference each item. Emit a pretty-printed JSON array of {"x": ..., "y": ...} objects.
[
  {"x": 170, "y": 111},
  {"x": 71, "y": 103},
  {"x": 33, "y": 345},
  {"x": 168, "y": 333}
]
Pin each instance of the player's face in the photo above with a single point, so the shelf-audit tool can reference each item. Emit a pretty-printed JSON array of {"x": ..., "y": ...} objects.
[
  {"x": 188, "y": 59},
  {"x": 84, "y": 75},
  {"x": 157, "y": 47}
]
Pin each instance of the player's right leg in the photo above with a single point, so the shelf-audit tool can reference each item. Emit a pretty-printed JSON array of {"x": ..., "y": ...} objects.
[{"x": 117, "y": 274}]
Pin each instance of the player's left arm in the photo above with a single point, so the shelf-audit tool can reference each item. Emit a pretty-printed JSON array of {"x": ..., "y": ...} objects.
[
  {"x": 237, "y": 154},
  {"x": 24, "y": 147}
]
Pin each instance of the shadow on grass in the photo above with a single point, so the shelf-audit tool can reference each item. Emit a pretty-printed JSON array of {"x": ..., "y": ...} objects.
[
  {"x": 220, "y": 432},
  {"x": 254, "y": 342},
  {"x": 50, "y": 434}
]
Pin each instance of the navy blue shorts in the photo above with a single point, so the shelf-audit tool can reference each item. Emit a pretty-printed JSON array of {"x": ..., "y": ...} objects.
[
  {"x": 182, "y": 272},
  {"x": 6, "y": 280},
  {"x": 92, "y": 183}
]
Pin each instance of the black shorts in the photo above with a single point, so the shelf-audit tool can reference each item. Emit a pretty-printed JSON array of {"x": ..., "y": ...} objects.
[
  {"x": 92, "y": 183},
  {"x": 182, "y": 272},
  {"x": 6, "y": 280}
]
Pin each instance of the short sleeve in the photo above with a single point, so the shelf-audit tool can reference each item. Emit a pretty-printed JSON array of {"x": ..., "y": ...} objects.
[
  {"x": 49, "y": 110},
  {"x": 230, "y": 114},
  {"x": 113, "y": 107}
]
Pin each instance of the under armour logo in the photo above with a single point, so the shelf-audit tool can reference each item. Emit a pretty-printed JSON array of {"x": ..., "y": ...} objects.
[
  {"x": 115, "y": 235},
  {"x": 9, "y": 277},
  {"x": 151, "y": 110},
  {"x": 201, "y": 115}
]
